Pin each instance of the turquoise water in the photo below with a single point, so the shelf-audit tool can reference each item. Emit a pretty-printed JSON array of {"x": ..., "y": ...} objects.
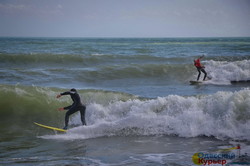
[{"x": 141, "y": 109}]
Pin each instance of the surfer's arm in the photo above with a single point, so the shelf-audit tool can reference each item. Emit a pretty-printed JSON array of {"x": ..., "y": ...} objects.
[
  {"x": 202, "y": 56},
  {"x": 67, "y": 108},
  {"x": 65, "y": 93},
  {"x": 64, "y": 108},
  {"x": 60, "y": 109},
  {"x": 62, "y": 94}
]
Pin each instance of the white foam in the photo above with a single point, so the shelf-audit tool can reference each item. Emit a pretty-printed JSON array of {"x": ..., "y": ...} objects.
[
  {"x": 223, "y": 115},
  {"x": 222, "y": 72}
]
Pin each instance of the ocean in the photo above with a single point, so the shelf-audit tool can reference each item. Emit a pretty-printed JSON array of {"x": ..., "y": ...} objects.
[{"x": 141, "y": 108}]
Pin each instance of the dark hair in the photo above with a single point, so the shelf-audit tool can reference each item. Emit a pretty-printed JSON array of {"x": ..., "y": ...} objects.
[{"x": 73, "y": 90}]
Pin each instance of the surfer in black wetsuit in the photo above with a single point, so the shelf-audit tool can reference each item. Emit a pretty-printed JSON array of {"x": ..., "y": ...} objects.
[{"x": 76, "y": 106}]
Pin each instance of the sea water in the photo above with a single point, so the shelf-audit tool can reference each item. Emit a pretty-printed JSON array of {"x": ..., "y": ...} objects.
[{"x": 141, "y": 109}]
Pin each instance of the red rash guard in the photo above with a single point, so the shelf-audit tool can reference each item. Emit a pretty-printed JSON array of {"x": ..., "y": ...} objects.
[{"x": 197, "y": 63}]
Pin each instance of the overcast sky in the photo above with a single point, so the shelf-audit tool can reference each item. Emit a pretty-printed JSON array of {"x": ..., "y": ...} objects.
[{"x": 125, "y": 18}]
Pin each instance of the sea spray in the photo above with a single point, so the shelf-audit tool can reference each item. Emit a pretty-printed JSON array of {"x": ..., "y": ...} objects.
[
  {"x": 223, "y": 72},
  {"x": 224, "y": 115}
]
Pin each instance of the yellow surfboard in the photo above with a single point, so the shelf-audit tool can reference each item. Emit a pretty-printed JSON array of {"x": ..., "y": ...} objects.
[{"x": 49, "y": 127}]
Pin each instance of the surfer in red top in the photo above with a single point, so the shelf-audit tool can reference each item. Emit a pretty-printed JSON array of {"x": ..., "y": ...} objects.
[{"x": 200, "y": 68}]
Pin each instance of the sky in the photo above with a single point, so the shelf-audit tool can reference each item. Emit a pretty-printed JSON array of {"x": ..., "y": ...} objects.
[{"x": 125, "y": 18}]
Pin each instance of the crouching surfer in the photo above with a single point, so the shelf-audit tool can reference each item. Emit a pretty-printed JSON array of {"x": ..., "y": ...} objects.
[
  {"x": 76, "y": 106},
  {"x": 200, "y": 68}
]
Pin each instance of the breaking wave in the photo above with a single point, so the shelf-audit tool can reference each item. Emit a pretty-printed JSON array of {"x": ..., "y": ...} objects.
[
  {"x": 224, "y": 115},
  {"x": 223, "y": 72}
]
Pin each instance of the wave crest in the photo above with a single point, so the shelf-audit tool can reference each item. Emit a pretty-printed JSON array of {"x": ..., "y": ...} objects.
[{"x": 224, "y": 115}]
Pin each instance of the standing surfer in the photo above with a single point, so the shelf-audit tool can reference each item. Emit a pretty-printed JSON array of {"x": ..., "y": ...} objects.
[
  {"x": 76, "y": 106},
  {"x": 200, "y": 68}
]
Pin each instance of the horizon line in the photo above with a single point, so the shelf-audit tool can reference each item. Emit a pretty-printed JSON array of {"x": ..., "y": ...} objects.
[{"x": 122, "y": 37}]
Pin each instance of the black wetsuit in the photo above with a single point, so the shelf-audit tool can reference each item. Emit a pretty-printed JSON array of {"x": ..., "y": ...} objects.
[
  {"x": 203, "y": 71},
  {"x": 76, "y": 106}
]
